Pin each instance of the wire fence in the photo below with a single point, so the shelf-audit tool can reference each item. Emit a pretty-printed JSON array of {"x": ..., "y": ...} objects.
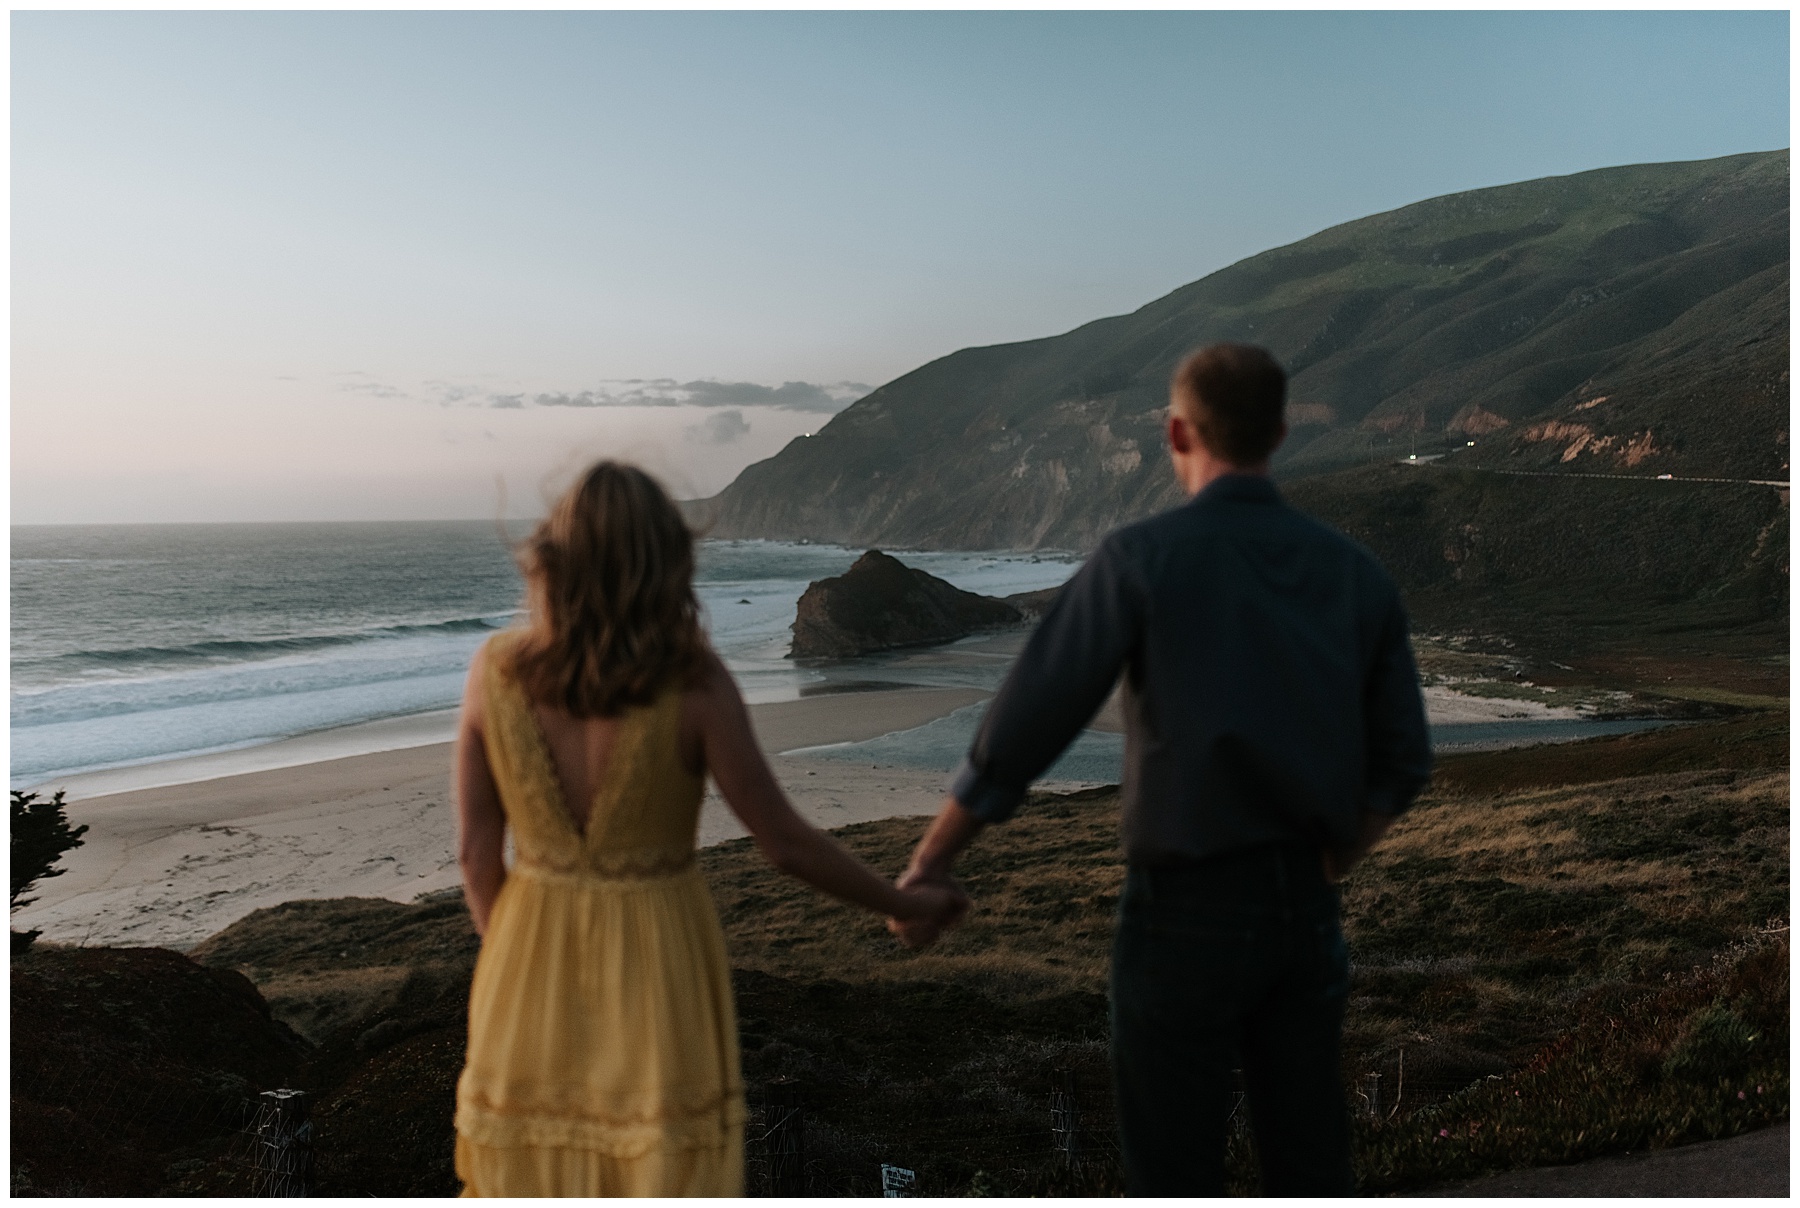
[
  {"x": 239, "y": 1141},
  {"x": 263, "y": 1143},
  {"x": 1075, "y": 1149}
]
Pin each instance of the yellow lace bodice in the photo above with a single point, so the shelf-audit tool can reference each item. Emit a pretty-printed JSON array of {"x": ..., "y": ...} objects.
[{"x": 646, "y": 809}]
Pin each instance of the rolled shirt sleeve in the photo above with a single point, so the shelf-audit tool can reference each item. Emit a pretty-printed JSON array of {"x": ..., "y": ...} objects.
[{"x": 1057, "y": 684}]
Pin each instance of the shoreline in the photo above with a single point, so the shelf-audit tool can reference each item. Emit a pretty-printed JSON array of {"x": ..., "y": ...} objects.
[
  {"x": 1445, "y": 705},
  {"x": 172, "y": 864},
  {"x": 211, "y": 838},
  {"x": 434, "y": 727}
]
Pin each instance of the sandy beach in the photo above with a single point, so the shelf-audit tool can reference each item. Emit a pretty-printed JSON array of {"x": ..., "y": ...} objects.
[{"x": 173, "y": 864}]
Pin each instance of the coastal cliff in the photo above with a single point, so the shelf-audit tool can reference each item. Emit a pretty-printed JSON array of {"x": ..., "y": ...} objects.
[{"x": 881, "y": 604}]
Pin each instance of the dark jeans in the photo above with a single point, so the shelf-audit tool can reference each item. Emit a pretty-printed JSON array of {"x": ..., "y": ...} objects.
[{"x": 1236, "y": 961}]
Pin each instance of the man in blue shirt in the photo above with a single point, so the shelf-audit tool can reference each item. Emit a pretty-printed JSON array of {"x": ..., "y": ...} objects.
[{"x": 1274, "y": 729}]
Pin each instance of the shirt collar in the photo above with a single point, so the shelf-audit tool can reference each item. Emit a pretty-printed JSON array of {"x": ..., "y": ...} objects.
[{"x": 1250, "y": 488}]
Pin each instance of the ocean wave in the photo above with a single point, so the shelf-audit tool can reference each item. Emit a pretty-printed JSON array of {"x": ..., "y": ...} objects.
[{"x": 214, "y": 651}]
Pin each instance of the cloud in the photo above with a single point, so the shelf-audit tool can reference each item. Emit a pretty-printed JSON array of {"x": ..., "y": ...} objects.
[
  {"x": 719, "y": 428},
  {"x": 369, "y": 386},
  {"x": 826, "y": 399},
  {"x": 789, "y": 396},
  {"x": 451, "y": 393}
]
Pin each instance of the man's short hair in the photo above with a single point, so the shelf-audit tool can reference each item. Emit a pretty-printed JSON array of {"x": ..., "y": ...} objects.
[{"x": 1233, "y": 394}]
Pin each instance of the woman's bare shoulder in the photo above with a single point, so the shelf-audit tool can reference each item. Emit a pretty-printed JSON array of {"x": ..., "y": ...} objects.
[{"x": 490, "y": 654}]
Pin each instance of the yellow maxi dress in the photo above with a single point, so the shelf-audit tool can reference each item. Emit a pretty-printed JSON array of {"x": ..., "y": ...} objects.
[{"x": 603, "y": 1053}]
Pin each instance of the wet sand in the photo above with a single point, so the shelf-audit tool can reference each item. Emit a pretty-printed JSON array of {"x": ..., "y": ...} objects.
[{"x": 171, "y": 865}]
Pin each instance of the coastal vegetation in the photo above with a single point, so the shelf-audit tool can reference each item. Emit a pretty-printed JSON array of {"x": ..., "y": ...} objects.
[
  {"x": 40, "y": 834},
  {"x": 1561, "y": 952}
]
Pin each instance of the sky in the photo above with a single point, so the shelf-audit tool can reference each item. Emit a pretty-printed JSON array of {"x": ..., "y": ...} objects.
[{"x": 339, "y": 265}]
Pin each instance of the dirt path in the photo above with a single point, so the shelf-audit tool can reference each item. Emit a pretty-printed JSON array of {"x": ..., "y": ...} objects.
[{"x": 1754, "y": 1164}]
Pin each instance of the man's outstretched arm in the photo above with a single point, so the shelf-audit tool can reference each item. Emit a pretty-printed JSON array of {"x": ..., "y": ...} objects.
[
  {"x": 1056, "y": 685},
  {"x": 943, "y": 841}
]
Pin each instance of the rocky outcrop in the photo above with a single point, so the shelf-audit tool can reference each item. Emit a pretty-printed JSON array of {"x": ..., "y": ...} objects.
[{"x": 880, "y": 604}]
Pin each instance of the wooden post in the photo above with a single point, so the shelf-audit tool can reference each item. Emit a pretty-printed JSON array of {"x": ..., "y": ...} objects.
[
  {"x": 1372, "y": 1094},
  {"x": 786, "y": 1140},
  {"x": 283, "y": 1140},
  {"x": 1065, "y": 1117}
]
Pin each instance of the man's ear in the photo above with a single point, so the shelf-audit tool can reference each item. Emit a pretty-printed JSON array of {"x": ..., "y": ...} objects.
[{"x": 1181, "y": 435}]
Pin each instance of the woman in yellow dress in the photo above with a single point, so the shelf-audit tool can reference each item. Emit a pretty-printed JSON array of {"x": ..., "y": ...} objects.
[{"x": 603, "y": 1054}]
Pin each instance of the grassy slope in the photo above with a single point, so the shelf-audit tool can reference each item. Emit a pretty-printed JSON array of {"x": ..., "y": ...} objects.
[
  {"x": 1506, "y": 912},
  {"x": 1472, "y": 923},
  {"x": 1530, "y": 898}
]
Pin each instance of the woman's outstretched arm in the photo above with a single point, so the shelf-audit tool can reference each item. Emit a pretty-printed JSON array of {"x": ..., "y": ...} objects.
[
  {"x": 715, "y": 715},
  {"x": 480, "y": 821}
]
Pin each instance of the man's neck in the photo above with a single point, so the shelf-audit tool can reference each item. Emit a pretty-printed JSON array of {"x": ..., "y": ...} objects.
[{"x": 1199, "y": 470}]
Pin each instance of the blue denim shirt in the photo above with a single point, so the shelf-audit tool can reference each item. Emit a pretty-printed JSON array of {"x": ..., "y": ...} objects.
[{"x": 1269, "y": 686}]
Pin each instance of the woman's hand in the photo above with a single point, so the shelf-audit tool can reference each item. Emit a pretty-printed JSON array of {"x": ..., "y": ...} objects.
[{"x": 933, "y": 907}]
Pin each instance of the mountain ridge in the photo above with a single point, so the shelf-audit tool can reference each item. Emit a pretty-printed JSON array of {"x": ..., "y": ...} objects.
[{"x": 1629, "y": 319}]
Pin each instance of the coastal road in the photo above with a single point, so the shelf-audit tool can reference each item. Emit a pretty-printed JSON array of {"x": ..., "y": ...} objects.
[{"x": 1435, "y": 460}]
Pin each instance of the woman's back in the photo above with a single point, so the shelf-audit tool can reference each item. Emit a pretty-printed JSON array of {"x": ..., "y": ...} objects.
[{"x": 594, "y": 794}]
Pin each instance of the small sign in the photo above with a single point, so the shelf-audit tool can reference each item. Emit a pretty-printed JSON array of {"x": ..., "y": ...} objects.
[{"x": 897, "y": 1182}]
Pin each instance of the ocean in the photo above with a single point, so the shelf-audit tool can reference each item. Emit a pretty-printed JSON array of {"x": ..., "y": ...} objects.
[{"x": 134, "y": 644}]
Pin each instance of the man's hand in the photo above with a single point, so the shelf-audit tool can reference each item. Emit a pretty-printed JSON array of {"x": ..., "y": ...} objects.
[
  {"x": 947, "y": 835},
  {"x": 942, "y": 904}
]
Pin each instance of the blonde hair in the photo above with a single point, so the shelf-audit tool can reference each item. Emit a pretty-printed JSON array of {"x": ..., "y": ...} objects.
[{"x": 613, "y": 614}]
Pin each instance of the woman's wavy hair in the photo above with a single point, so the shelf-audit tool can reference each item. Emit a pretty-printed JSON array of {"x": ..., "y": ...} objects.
[{"x": 613, "y": 614}]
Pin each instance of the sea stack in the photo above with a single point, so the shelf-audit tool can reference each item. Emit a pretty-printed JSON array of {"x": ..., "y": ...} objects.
[{"x": 880, "y": 604}]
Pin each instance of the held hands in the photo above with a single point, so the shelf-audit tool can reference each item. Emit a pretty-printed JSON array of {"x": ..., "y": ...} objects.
[{"x": 939, "y": 903}]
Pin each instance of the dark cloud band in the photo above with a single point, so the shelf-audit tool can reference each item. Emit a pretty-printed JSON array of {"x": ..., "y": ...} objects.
[{"x": 827, "y": 399}]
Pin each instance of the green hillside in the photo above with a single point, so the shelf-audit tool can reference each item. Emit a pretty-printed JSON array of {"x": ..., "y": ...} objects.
[{"x": 1629, "y": 320}]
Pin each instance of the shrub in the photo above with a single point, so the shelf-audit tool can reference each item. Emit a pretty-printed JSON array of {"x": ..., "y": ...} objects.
[
  {"x": 40, "y": 835},
  {"x": 1703, "y": 1056}
]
